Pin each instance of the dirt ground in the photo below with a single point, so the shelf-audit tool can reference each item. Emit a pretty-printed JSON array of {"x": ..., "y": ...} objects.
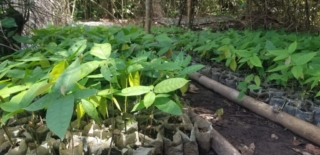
[{"x": 242, "y": 127}]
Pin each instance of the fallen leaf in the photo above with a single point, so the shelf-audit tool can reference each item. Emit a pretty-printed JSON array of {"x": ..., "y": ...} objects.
[
  {"x": 245, "y": 150},
  {"x": 301, "y": 152},
  {"x": 193, "y": 89},
  {"x": 274, "y": 136},
  {"x": 311, "y": 148},
  {"x": 296, "y": 142}
]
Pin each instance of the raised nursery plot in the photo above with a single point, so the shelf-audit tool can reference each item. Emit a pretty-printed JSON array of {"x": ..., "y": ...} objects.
[{"x": 116, "y": 90}]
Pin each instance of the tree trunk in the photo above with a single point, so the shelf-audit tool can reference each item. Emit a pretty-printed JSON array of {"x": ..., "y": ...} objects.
[
  {"x": 148, "y": 16},
  {"x": 190, "y": 14}
]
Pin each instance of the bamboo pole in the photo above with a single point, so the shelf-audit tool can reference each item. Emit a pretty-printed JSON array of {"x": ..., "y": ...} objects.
[{"x": 300, "y": 127}]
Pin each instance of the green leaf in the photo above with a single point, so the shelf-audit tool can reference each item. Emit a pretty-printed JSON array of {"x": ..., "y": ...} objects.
[
  {"x": 43, "y": 102},
  {"x": 318, "y": 94},
  {"x": 84, "y": 93},
  {"x": 274, "y": 76},
  {"x": 103, "y": 108},
  {"x": 58, "y": 70},
  {"x": 170, "y": 85},
  {"x": 22, "y": 39},
  {"x": 135, "y": 90},
  {"x": 269, "y": 45},
  {"x": 31, "y": 93},
  {"x": 89, "y": 67},
  {"x": 297, "y": 71},
  {"x": 59, "y": 114},
  {"x": 138, "y": 106},
  {"x": 281, "y": 57},
  {"x": 163, "y": 38},
  {"x": 78, "y": 47},
  {"x": 276, "y": 52},
  {"x": 91, "y": 110},
  {"x": 170, "y": 66},
  {"x": 68, "y": 78},
  {"x": 303, "y": 58},
  {"x": 168, "y": 106},
  {"x": 278, "y": 68},
  {"x": 191, "y": 69},
  {"x": 7, "y": 91},
  {"x": 255, "y": 60},
  {"x": 13, "y": 105},
  {"x": 233, "y": 65},
  {"x": 292, "y": 47},
  {"x": 257, "y": 80},
  {"x": 241, "y": 94},
  {"x": 8, "y": 22},
  {"x": 249, "y": 78},
  {"x": 101, "y": 51},
  {"x": 149, "y": 99},
  {"x": 253, "y": 87},
  {"x": 134, "y": 68}
]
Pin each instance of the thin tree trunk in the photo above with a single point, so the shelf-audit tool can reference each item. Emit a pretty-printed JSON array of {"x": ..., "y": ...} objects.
[
  {"x": 148, "y": 16},
  {"x": 189, "y": 14},
  {"x": 307, "y": 14}
]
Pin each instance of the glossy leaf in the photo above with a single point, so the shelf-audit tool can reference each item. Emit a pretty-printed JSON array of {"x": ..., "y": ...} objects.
[
  {"x": 170, "y": 85},
  {"x": 135, "y": 90}
]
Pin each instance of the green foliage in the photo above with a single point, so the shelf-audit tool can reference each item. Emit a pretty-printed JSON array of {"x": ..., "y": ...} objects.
[{"x": 92, "y": 69}]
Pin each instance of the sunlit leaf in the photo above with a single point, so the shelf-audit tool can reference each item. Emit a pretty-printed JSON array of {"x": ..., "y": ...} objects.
[
  {"x": 149, "y": 99},
  {"x": 170, "y": 85},
  {"x": 101, "y": 51}
]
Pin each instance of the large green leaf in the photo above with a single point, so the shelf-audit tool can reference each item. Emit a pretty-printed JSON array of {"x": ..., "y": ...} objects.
[
  {"x": 191, "y": 69},
  {"x": 101, "y": 51},
  {"x": 59, "y": 114},
  {"x": 255, "y": 60},
  {"x": 303, "y": 58},
  {"x": 91, "y": 110},
  {"x": 84, "y": 93},
  {"x": 292, "y": 47},
  {"x": 167, "y": 105},
  {"x": 68, "y": 78},
  {"x": 8, "y": 23},
  {"x": 278, "y": 68},
  {"x": 297, "y": 71},
  {"x": 138, "y": 106},
  {"x": 31, "y": 93},
  {"x": 135, "y": 90},
  {"x": 77, "y": 48},
  {"x": 7, "y": 91},
  {"x": 89, "y": 67},
  {"x": 149, "y": 99},
  {"x": 43, "y": 102},
  {"x": 13, "y": 105},
  {"x": 170, "y": 85}
]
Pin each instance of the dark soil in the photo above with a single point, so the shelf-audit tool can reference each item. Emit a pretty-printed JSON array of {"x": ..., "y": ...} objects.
[{"x": 242, "y": 127}]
